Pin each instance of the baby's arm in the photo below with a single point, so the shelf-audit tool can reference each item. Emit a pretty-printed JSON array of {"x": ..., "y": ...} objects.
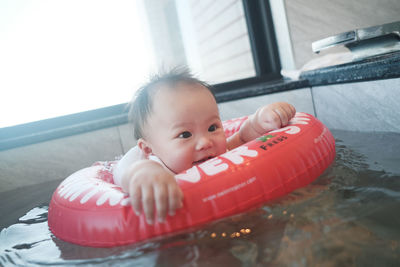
[
  {"x": 150, "y": 186},
  {"x": 265, "y": 119}
]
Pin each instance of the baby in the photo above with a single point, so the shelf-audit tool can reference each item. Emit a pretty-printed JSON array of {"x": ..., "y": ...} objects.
[{"x": 177, "y": 125}]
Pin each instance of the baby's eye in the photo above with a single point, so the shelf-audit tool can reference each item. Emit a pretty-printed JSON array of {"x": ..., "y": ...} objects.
[
  {"x": 212, "y": 128},
  {"x": 185, "y": 135}
]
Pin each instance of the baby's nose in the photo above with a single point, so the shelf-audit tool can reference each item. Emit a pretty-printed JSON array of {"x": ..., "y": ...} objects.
[{"x": 203, "y": 143}]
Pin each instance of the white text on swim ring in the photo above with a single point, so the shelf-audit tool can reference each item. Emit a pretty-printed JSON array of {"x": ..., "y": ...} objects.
[{"x": 230, "y": 189}]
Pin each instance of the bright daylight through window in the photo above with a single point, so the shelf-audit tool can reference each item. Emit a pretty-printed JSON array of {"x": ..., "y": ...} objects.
[{"x": 64, "y": 57}]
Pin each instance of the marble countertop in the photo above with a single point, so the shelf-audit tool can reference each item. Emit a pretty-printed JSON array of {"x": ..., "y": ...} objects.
[
  {"x": 261, "y": 89},
  {"x": 375, "y": 68}
]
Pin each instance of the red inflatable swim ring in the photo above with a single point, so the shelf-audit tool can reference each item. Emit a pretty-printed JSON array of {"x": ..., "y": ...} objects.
[{"x": 87, "y": 209}]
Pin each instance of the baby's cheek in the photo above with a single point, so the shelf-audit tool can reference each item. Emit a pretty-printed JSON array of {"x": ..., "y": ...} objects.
[
  {"x": 222, "y": 145},
  {"x": 181, "y": 160}
]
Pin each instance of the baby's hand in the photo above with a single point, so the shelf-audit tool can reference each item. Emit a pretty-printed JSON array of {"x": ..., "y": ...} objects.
[
  {"x": 272, "y": 117},
  {"x": 151, "y": 185}
]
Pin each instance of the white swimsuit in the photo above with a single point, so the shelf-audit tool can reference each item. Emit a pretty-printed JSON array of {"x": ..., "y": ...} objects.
[{"x": 133, "y": 155}]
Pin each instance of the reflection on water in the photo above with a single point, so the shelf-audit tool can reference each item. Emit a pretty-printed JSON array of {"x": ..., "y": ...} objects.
[{"x": 348, "y": 216}]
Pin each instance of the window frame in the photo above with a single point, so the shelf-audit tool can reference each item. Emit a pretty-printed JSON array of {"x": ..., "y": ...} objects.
[
  {"x": 267, "y": 68},
  {"x": 263, "y": 44}
]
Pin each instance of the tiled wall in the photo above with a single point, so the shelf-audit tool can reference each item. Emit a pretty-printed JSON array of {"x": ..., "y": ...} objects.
[
  {"x": 371, "y": 106},
  {"x": 30, "y": 174},
  {"x": 301, "y": 99},
  {"x": 55, "y": 159}
]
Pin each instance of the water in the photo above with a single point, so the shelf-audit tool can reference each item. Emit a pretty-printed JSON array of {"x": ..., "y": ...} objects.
[{"x": 347, "y": 217}]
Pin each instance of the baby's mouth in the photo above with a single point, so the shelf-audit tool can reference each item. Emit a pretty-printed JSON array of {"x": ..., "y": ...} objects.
[{"x": 202, "y": 160}]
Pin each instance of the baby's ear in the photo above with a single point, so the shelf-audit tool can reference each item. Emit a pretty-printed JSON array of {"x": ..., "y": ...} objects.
[{"x": 145, "y": 147}]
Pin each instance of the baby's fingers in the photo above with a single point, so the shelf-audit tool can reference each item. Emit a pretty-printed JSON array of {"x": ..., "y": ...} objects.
[
  {"x": 136, "y": 198},
  {"x": 285, "y": 113},
  {"x": 148, "y": 203},
  {"x": 282, "y": 117},
  {"x": 175, "y": 197},
  {"x": 290, "y": 111},
  {"x": 161, "y": 198}
]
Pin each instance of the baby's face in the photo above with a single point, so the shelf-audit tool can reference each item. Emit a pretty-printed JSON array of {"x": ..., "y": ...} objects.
[{"x": 184, "y": 127}]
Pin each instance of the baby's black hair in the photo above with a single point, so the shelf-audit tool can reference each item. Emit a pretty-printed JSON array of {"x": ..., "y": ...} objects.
[{"x": 141, "y": 105}]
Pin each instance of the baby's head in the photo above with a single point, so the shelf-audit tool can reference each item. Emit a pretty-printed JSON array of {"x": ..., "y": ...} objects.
[{"x": 176, "y": 118}]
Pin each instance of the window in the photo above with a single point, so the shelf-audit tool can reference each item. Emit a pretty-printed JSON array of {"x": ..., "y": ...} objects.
[
  {"x": 216, "y": 39},
  {"x": 64, "y": 57},
  {"x": 69, "y": 66},
  {"x": 221, "y": 41}
]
